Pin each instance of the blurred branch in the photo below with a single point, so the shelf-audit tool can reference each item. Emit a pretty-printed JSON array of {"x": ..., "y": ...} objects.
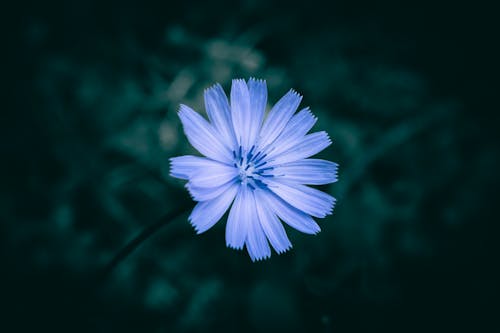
[
  {"x": 146, "y": 233},
  {"x": 394, "y": 137}
]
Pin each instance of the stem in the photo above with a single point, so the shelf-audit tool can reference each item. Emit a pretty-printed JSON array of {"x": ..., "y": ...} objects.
[{"x": 146, "y": 233}]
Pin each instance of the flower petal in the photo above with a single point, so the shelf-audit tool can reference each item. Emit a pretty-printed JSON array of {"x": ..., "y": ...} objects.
[
  {"x": 219, "y": 113},
  {"x": 258, "y": 101},
  {"x": 239, "y": 219},
  {"x": 309, "y": 200},
  {"x": 205, "y": 214},
  {"x": 278, "y": 117},
  {"x": 202, "y": 135},
  {"x": 184, "y": 167},
  {"x": 270, "y": 223},
  {"x": 214, "y": 175},
  {"x": 310, "y": 145},
  {"x": 292, "y": 216},
  {"x": 200, "y": 193},
  {"x": 308, "y": 171},
  {"x": 240, "y": 111},
  {"x": 294, "y": 132},
  {"x": 256, "y": 242}
]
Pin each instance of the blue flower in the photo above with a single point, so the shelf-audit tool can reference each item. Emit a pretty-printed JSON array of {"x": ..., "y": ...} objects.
[{"x": 259, "y": 166}]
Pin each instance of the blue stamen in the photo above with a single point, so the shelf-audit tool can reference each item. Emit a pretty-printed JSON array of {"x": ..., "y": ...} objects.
[
  {"x": 249, "y": 155},
  {"x": 259, "y": 183},
  {"x": 260, "y": 158},
  {"x": 259, "y": 165}
]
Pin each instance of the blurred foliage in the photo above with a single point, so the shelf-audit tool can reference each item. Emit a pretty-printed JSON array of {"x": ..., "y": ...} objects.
[{"x": 88, "y": 170}]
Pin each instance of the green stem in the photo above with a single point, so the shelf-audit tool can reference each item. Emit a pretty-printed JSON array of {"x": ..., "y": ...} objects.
[{"x": 146, "y": 233}]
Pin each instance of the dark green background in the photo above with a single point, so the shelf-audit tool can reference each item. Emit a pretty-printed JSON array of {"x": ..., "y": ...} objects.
[{"x": 90, "y": 122}]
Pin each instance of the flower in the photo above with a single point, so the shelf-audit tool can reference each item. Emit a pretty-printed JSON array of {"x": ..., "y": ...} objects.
[{"x": 259, "y": 166}]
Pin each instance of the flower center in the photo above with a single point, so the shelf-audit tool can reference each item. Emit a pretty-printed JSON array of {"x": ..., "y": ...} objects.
[
  {"x": 251, "y": 167},
  {"x": 246, "y": 171}
]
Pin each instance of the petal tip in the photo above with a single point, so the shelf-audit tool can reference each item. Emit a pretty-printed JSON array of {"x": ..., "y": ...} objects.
[
  {"x": 253, "y": 79},
  {"x": 239, "y": 81},
  {"x": 260, "y": 258},
  {"x": 284, "y": 250},
  {"x": 295, "y": 93},
  {"x": 234, "y": 247}
]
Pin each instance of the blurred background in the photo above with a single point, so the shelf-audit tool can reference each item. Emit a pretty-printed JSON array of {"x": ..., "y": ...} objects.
[{"x": 90, "y": 122}]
